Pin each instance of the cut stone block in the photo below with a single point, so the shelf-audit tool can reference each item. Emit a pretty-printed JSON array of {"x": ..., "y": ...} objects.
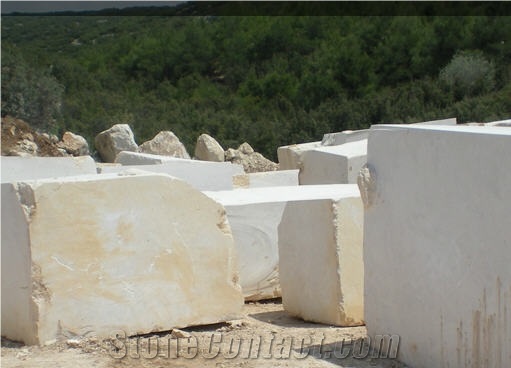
[
  {"x": 347, "y": 136},
  {"x": 266, "y": 179},
  {"x": 290, "y": 156},
  {"x": 101, "y": 165},
  {"x": 321, "y": 259},
  {"x": 254, "y": 216},
  {"x": 437, "y": 245},
  {"x": 333, "y": 165},
  {"x": 91, "y": 255},
  {"x": 451, "y": 121},
  {"x": 30, "y": 168},
  {"x": 202, "y": 175}
]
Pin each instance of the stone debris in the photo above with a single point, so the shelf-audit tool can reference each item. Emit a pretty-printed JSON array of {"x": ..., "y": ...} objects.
[
  {"x": 74, "y": 144},
  {"x": 251, "y": 161},
  {"x": 208, "y": 149},
  {"x": 180, "y": 334},
  {"x": 114, "y": 140},
  {"x": 165, "y": 143}
]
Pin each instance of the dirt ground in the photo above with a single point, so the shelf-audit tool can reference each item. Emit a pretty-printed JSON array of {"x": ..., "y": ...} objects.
[{"x": 266, "y": 337}]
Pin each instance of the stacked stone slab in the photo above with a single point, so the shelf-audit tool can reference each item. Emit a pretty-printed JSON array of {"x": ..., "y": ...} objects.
[
  {"x": 281, "y": 178},
  {"x": 202, "y": 175},
  {"x": 89, "y": 255},
  {"x": 255, "y": 215},
  {"x": 437, "y": 245},
  {"x": 333, "y": 165},
  {"x": 28, "y": 168},
  {"x": 320, "y": 252}
]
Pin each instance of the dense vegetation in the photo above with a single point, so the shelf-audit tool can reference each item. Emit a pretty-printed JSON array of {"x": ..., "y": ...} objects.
[{"x": 266, "y": 80}]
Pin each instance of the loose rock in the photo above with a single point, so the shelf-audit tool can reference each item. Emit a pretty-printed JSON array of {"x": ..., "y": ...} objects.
[
  {"x": 208, "y": 149},
  {"x": 114, "y": 140},
  {"x": 165, "y": 143}
]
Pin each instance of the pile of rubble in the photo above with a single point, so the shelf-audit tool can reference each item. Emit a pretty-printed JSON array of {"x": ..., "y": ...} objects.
[{"x": 19, "y": 139}]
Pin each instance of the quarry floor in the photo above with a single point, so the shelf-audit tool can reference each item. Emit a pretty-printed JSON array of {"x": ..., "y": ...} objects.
[{"x": 284, "y": 341}]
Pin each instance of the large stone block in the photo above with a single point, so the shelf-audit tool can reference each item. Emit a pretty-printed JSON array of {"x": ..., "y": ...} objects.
[
  {"x": 281, "y": 178},
  {"x": 346, "y": 136},
  {"x": 139, "y": 158},
  {"x": 333, "y": 165},
  {"x": 290, "y": 156},
  {"x": 29, "y": 168},
  {"x": 202, "y": 175},
  {"x": 321, "y": 259},
  {"x": 93, "y": 254},
  {"x": 254, "y": 216},
  {"x": 437, "y": 245}
]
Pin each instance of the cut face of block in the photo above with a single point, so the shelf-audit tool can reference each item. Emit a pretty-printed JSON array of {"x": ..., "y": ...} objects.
[
  {"x": 281, "y": 178},
  {"x": 451, "y": 121},
  {"x": 290, "y": 156},
  {"x": 202, "y": 175},
  {"x": 347, "y": 136},
  {"x": 138, "y": 158},
  {"x": 437, "y": 243},
  {"x": 31, "y": 168},
  {"x": 321, "y": 259},
  {"x": 254, "y": 216},
  {"x": 94, "y": 254},
  {"x": 333, "y": 165}
]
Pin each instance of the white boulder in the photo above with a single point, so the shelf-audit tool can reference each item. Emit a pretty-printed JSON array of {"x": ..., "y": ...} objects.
[
  {"x": 208, "y": 149},
  {"x": 165, "y": 143},
  {"x": 114, "y": 140}
]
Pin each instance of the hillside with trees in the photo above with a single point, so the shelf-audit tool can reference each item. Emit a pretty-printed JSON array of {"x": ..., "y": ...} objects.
[{"x": 267, "y": 80}]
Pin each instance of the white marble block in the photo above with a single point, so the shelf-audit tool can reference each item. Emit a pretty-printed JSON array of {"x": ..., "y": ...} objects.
[
  {"x": 346, "y": 136},
  {"x": 321, "y": 262},
  {"x": 437, "y": 243},
  {"x": 290, "y": 156},
  {"x": 202, "y": 175},
  {"x": 254, "y": 215},
  {"x": 450, "y": 121},
  {"x": 29, "y": 168},
  {"x": 334, "y": 164},
  {"x": 89, "y": 255},
  {"x": 280, "y": 178}
]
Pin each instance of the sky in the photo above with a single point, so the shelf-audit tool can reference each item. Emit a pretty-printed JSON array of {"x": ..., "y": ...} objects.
[{"x": 48, "y": 6}]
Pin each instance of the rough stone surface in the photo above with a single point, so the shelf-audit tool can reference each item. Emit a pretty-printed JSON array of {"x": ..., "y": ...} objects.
[
  {"x": 290, "y": 157},
  {"x": 19, "y": 139},
  {"x": 266, "y": 179},
  {"x": 254, "y": 215},
  {"x": 202, "y": 175},
  {"x": 31, "y": 168},
  {"x": 346, "y": 136},
  {"x": 437, "y": 245},
  {"x": 321, "y": 259},
  {"x": 251, "y": 161},
  {"x": 333, "y": 165},
  {"x": 114, "y": 140},
  {"x": 161, "y": 259},
  {"x": 165, "y": 143},
  {"x": 74, "y": 144},
  {"x": 208, "y": 149}
]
